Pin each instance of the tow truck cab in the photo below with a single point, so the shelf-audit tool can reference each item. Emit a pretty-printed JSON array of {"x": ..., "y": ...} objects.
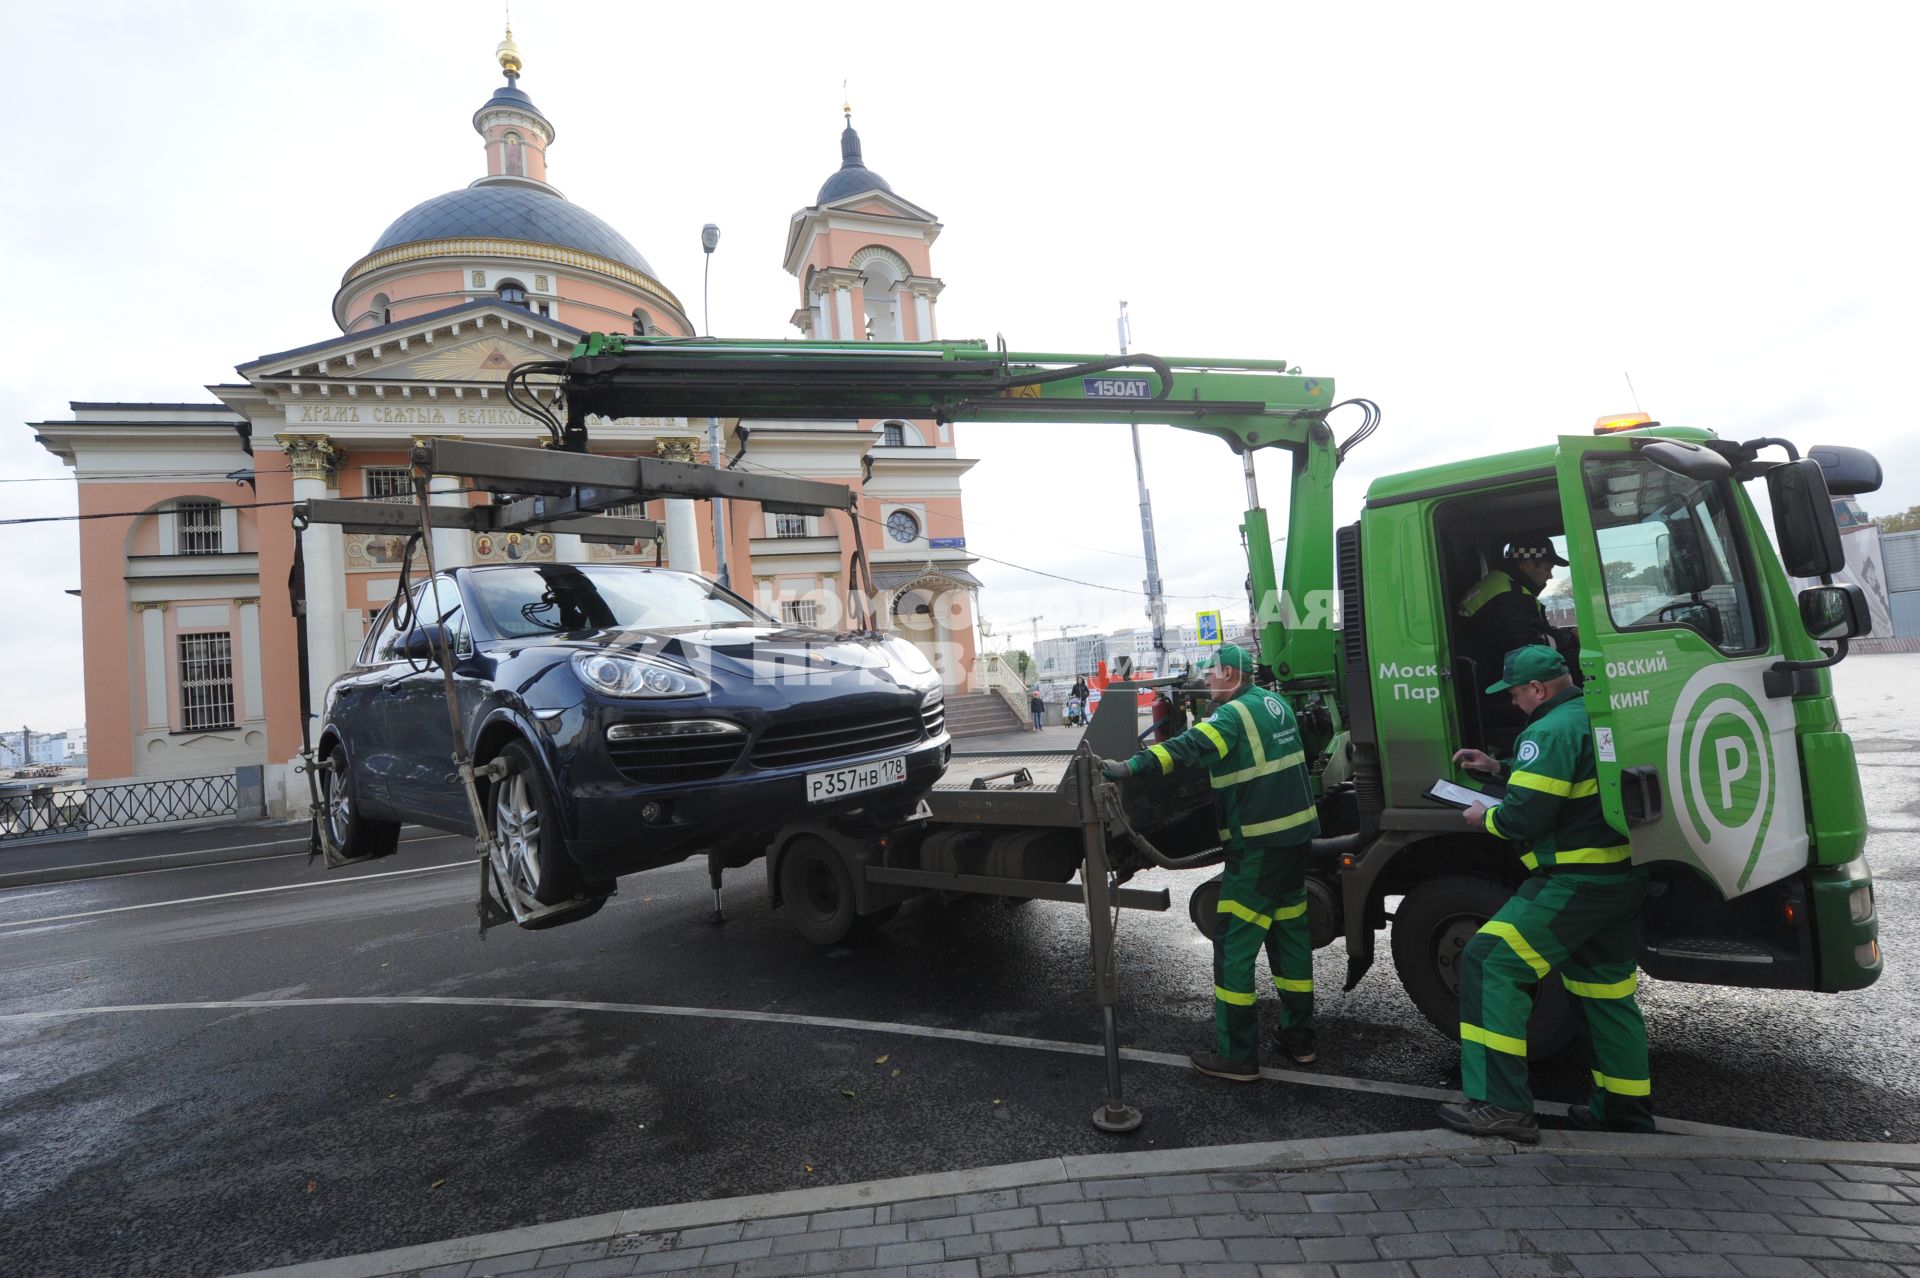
[{"x": 1720, "y": 752}]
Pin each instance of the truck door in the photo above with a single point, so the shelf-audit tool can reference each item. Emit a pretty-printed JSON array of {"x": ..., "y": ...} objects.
[{"x": 1697, "y": 764}]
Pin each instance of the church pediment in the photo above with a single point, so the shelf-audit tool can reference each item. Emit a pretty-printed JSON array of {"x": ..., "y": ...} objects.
[
  {"x": 477, "y": 342},
  {"x": 879, "y": 204}
]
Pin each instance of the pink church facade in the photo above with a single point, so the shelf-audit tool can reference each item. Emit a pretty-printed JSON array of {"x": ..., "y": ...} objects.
[{"x": 189, "y": 637}]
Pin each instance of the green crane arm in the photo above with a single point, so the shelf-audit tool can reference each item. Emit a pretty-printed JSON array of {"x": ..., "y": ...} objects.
[{"x": 1250, "y": 404}]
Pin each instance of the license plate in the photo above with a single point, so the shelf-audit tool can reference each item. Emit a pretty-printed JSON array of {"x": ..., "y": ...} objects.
[{"x": 840, "y": 782}]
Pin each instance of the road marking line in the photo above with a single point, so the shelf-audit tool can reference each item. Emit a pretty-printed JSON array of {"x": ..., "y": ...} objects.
[
  {"x": 202, "y": 865},
  {"x": 1335, "y": 1082},
  {"x": 222, "y": 896}
]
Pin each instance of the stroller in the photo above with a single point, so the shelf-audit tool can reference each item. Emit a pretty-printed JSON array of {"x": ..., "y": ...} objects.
[{"x": 1076, "y": 712}]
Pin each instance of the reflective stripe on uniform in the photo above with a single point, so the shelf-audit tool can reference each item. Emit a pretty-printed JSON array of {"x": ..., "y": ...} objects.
[
  {"x": 1161, "y": 753},
  {"x": 1594, "y": 856},
  {"x": 1234, "y": 997},
  {"x": 1491, "y": 828},
  {"x": 1293, "y": 987},
  {"x": 1212, "y": 734},
  {"x": 1553, "y": 785},
  {"x": 1518, "y": 944},
  {"x": 1287, "y": 822},
  {"x": 1529, "y": 860},
  {"x": 1487, "y": 1038},
  {"x": 1253, "y": 733},
  {"x": 1252, "y": 916},
  {"x": 1623, "y": 1086},
  {"x": 1611, "y": 989},
  {"x": 1293, "y": 911},
  {"x": 1257, "y": 770}
]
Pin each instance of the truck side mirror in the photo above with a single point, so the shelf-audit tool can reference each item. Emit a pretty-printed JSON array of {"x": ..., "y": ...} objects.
[
  {"x": 1835, "y": 612},
  {"x": 1803, "y": 519},
  {"x": 1849, "y": 471}
]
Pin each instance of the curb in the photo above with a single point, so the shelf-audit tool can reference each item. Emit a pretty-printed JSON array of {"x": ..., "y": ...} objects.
[
  {"x": 141, "y": 864},
  {"x": 1291, "y": 1155}
]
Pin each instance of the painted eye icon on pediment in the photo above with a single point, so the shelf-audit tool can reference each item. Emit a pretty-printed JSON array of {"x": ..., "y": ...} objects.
[{"x": 485, "y": 360}]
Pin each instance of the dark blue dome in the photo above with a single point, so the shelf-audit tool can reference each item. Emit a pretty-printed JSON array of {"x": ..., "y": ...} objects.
[
  {"x": 511, "y": 213},
  {"x": 853, "y": 177}
]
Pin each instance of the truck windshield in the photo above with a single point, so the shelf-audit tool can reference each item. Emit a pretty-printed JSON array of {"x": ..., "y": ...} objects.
[
  {"x": 546, "y": 599},
  {"x": 1671, "y": 552}
]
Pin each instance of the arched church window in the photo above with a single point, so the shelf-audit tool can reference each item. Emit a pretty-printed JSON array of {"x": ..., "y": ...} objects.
[
  {"x": 513, "y": 293},
  {"x": 893, "y": 435},
  {"x": 382, "y": 308},
  {"x": 642, "y": 323},
  {"x": 514, "y": 157}
]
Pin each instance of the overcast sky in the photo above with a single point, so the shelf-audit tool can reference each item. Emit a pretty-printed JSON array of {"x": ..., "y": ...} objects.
[{"x": 1481, "y": 216}]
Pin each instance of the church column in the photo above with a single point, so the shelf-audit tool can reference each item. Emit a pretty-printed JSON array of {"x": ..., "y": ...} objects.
[
  {"x": 843, "y": 315},
  {"x": 683, "y": 530},
  {"x": 922, "y": 316},
  {"x": 253, "y": 692},
  {"x": 315, "y": 462},
  {"x": 153, "y": 663},
  {"x": 452, "y": 547}
]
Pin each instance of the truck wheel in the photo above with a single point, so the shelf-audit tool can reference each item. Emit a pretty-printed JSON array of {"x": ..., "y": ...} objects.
[
  {"x": 1431, "y": 929},
  {"x": 1203, "y": 907},
  {"x": 523, "y": 820},
  {"x": 817, "y": 891},
  {"x": 348, "y": 827}
]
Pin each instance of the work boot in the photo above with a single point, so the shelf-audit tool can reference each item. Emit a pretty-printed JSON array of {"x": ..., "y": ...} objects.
[
  {"x": 1297, "y": 1048},
  {"x": 1220, "y": 1067},
  {"x": 1483, "y": 1118}
]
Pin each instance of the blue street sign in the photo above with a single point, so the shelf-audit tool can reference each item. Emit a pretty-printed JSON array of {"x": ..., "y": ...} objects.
[
  {"x": 947, "y": 543},
  {"x": 1206, "y": 626}
]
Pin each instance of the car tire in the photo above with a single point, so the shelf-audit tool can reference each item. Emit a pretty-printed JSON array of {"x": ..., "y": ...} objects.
[
  {"x": 358, "y": 837},
  {"x": 816, "y": 891},
  {"x": 524, "y": 829},
  {"x": 1431, "y": 929},
  {"x": 1203, "y": 906}
]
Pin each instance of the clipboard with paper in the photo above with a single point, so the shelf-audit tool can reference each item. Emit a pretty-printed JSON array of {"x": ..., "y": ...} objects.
[{"x": 1454, "y": 795}]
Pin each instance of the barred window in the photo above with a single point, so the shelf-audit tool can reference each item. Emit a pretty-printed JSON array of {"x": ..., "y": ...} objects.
[
  {"x": 800, "y": 612},
  {"x": 790, "y": 525},
  {"x": 627, "y": 510},
  {"x": 893, "y": 435},
  {"x": 206, "y": 681},
  {"x": 391, "y": 485},
  {"x": 196, "y": 528}
]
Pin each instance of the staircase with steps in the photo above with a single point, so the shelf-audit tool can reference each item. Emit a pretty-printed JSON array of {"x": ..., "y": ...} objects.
[{"x": 981, "y": 714}]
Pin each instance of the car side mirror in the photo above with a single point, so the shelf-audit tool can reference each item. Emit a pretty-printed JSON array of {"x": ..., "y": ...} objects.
[
  {"x": 1835, "y": 612},
  {"x": 425, "y": 643},
  {"x": 1849, "y": 471},
  {"x": 1803, "y": 519}
]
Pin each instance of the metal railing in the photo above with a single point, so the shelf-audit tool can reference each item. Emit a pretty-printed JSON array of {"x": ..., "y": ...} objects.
[
  {"x": 47, "y": 809},
  {"x": 997, "y": 675}
]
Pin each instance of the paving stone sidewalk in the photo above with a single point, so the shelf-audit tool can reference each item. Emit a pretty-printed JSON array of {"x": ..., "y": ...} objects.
[{"x": 1455, "y": 1214}]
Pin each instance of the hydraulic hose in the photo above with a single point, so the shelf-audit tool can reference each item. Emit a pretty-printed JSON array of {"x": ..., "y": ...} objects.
[{"x": 1113, "y": 812}]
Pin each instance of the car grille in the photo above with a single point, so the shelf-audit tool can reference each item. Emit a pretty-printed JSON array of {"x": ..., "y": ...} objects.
[
  {"x": 667, "y": 760},
  {"x": 934, "y": 717},
  {"x": 817, "y": 741}
]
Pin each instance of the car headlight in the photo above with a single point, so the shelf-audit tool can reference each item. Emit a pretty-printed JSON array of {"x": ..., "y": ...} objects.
[{"x": 630, "y": 675}]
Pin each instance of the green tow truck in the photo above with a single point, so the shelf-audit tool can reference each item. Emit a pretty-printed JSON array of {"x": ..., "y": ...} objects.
[{"x": 1721, "y": 753}]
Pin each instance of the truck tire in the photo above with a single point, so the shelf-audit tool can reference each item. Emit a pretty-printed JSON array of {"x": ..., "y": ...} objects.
[
  {"x": 348, "y": 826},
  {"x": 1203, "y": 907},
  {"x": 1431, "y": 929},
  {"x": 816, "y": 890}
]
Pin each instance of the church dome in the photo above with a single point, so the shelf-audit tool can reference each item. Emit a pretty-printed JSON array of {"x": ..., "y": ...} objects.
[
  {"x": 853, "y": 177},
  {"x": 511, "y": 212}
]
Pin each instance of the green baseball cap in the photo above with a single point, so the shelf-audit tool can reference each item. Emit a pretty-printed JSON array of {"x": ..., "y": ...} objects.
[
  {"x": 1230, "y": 655},
  {"x": 1524, "y": 665}
]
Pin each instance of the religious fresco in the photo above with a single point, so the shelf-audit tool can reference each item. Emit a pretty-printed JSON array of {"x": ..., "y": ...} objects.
[
  {"x": 367, "y": 551},
  {"x": 513, "y": 548}
]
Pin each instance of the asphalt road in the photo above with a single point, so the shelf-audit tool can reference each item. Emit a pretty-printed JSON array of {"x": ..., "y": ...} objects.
[{"x": 645, "y": 1057}]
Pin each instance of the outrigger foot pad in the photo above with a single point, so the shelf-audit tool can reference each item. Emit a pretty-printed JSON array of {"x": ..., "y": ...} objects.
[{"x": 1118, "y": 1116}]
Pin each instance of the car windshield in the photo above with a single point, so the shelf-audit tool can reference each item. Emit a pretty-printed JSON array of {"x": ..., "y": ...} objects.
[{"x": 547, "y": 599}]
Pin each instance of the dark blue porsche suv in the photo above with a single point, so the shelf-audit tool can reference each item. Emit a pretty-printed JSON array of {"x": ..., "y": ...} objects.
[{"x": 643, "y": 716}]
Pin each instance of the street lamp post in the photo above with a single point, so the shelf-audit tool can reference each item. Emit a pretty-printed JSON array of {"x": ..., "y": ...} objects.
[{"x": 709, "y": 241}]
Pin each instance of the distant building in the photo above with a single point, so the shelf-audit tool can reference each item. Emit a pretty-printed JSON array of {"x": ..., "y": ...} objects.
[{"x": 38, "y": 748}]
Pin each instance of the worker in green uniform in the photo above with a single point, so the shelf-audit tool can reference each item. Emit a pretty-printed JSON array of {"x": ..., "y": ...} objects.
[
  {"x": 1577, "y": 914},
  {"x": 1251, "y": 748}
]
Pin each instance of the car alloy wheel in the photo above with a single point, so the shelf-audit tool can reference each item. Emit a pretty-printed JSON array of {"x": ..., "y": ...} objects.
[
  {"x": 337, "y": 798},
  {"x": 516, "y": 833}
]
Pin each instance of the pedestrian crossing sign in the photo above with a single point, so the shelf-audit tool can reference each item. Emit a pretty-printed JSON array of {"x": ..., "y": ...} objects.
[{"x": 1206, "y": 627}]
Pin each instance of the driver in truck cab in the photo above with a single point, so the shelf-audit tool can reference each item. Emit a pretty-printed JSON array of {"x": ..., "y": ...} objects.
[
  {"x": 1502, "y": 611},
  {"x": 1264, "y": 801},
  {"x": 1577, "y": 914}
]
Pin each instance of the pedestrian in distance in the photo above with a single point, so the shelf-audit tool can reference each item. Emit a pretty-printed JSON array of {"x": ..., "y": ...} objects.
[
  {"x": 1264, "y": 801},
  {"x": 1039, "y": 709},
  {"x": 1080, "y": 689},
  {"x": 1576, "y": 917}
]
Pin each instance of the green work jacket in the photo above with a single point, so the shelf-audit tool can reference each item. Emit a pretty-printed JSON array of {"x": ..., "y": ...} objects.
[
  {"x": 1552, "y": 804},
  {"x": 1253, "y": 755}
]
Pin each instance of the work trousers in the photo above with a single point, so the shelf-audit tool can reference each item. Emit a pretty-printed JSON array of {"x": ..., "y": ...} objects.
[
  {"x": 1585, "y": 927},
  {"x": 1263, "y": 904}
]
